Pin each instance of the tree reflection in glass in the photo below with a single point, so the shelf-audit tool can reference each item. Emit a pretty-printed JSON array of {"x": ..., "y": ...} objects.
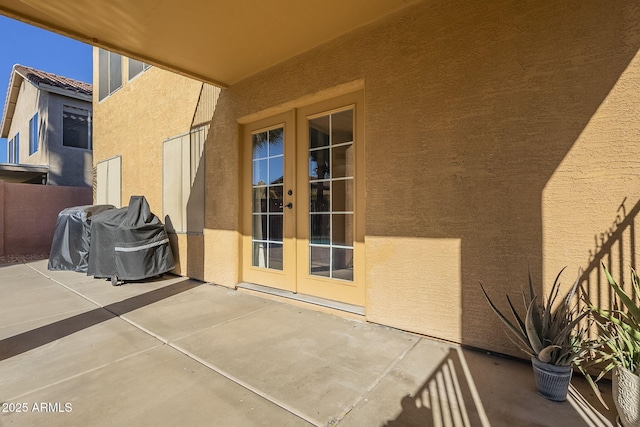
[
  {"x": 268, "y": 194},
  {"x": 331, "y": 217}
]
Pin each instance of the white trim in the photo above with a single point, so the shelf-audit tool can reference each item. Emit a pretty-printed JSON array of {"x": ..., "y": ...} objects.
[
  {"x": 143, "y": 247},
  {"x": 323, "y": 302},
  {"x": 66, "y": 92}
]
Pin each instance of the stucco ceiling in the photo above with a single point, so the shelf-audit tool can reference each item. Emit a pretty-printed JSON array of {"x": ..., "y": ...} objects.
[{"x": 218, "y": 41}]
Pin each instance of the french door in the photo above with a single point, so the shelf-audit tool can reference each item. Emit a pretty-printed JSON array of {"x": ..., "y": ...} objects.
[{"x": 303, "y": 204}]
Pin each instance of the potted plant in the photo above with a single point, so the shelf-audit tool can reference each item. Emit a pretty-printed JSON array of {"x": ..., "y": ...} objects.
[
  {"x": 619, "y": 333},
  {"x": 551, "y": 334}
]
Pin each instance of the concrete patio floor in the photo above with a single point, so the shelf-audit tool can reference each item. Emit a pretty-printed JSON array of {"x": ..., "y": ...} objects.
[{"x": 75, "y": 351}]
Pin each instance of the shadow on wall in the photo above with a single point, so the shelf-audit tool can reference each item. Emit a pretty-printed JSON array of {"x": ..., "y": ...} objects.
[
  {"x": 503, "y": 101},
  {"x": 502, "y": 127},
  {"x": 616, "y": 249},
  {"x": 188, "y": 245}
]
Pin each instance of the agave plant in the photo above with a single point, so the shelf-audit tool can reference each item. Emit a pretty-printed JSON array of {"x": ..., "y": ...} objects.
[
  {"x": 619, "y": 329},
  {"x": 550, "y": 330},
  {"x": 619, "y": 334}
]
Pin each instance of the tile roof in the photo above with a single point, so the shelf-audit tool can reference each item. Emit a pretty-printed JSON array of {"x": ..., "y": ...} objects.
[
  {"x": 38, "y": 77},
  {"x": 44, "y": 81}
]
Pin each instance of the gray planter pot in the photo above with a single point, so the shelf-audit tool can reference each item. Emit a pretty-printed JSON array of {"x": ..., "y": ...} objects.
[
  {"x": 626, "y": 396},
  {"x": 552, "y": 381}
]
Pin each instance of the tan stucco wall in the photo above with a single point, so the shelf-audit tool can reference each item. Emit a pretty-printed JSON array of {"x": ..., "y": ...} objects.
[
  {"x": 591, "y": 202},
  {"x": 135, "y": 120},
  {"x": 488, "y": 127},
  {"x": 133, "y": 123},
  {"x": 188, "y": 252}
]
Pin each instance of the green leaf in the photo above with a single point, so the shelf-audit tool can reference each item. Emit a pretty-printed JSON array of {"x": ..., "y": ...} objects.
[
  {"x": 594, "y": 386},
  {"x": 532, "y": 332},
  {"x": 566, "y": 331},
  {"x": 634, "y": 310},
  {"x": 516, "y": 316},
  {"x": 625, "y": 326},
  {"x": 555, "y": 290},
  {"x": 545, "y": 353}
]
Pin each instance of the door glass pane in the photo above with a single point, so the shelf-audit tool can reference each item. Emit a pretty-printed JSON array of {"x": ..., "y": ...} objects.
[
  {"x": 275, "y": 256},
  {"x": 342, "y": 127},
  {"x": 320, "y": 224},
  {"x": 342, "y": 264},
  {"x": 260, "y": 199},
  {"x": 320, "y": 195},
  {"x": 342, "y": 195},
  {"x": 331, "y": 194},
  {"x": 260, "y": 227},
  {"x": 319, "y": 164},
  {"x": 276, "y": 142},
  {"x": 259, "y": 254},
  {"x": 275, "y": 228},
  {"x": 276, "y": 170},
  {"x": 342, "y": 229},
  {"x": 260, "y": 170},
  {"x": 319, "y": 132},
  {"x": 320, "y": 261},
  {"x": 260, "y": 145},
  {"x": 268, "y": 194},
  {"x": 276, "y": 197},
  {"x": 342, "y": 161}
]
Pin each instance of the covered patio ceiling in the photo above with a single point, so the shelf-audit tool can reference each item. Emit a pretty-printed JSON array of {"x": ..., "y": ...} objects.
[{"x": 216, "y": 41}]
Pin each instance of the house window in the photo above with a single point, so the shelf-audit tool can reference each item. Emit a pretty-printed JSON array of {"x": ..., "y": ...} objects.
[
  {"x": 109, "y": 73},
  {"x": 183, "y": 182},
  {"x": 14, "y": 149},
  {"x": 136, "y": 67},
  {"x": 33, "y": 134},
  {"x": 76, "y": 127},
  {"x": 108, "y": 182}
]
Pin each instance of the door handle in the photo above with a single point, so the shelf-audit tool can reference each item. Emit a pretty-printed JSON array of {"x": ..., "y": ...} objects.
[{"x": 289, "y": 205}]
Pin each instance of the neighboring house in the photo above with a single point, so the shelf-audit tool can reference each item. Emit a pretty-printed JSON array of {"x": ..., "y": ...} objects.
[
  {"x": 47, "y": 122},
  {"x": 381, "y": 157}
]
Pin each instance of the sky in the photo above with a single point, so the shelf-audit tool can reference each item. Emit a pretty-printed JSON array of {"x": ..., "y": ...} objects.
[{"x": 46, "y": 51}]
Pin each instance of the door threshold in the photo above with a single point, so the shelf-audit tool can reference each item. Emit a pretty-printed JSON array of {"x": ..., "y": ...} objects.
[{"x": 334, "y": 305}]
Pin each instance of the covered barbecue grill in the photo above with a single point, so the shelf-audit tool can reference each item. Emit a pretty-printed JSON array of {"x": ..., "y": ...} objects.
[
  {"x": 71, "y": 238},
  {"x": 129, "y": 244}
]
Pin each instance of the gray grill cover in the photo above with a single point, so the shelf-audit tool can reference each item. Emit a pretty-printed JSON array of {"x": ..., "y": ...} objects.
[
  {"x": 129, "y": 243},
  {"x": 71, "y": 238}
]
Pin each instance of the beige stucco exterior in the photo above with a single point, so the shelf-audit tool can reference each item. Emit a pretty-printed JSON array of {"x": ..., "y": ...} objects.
[
  {"x": 498, "y": 137},
  {"x": 133, "y": 122},
  {"x": 28, "y": 103},
  {"x": 136, "y": 119}
]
